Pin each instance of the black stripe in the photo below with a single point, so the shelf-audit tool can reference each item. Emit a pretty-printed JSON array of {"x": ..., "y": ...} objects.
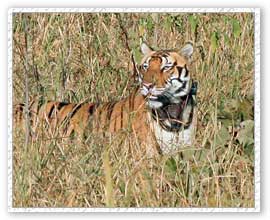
[
  {"x": 179, "y": 69},
  {"x": 66, "y": 121},
  {"x": 61, "y": 105},
  {"x": 165, "y": 55},
  {"x": 91, "y": 109},
  {"x": 74, "y": 110},
  {"x": 186, "y": 71},
  {"x": 51, "y": 111},
  {"x": 56, "y": 106}
]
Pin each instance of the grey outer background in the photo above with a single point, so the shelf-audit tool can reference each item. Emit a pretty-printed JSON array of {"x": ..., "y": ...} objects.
[{"x": 265, "y": 18}]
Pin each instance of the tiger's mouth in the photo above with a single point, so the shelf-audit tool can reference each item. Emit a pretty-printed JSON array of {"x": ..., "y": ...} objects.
[{"x": 151, "y": 90}]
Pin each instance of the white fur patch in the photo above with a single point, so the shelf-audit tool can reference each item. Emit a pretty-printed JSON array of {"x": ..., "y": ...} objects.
[
  {"x": 154, "y": 104},
  {"x": 170, "y": 142}
]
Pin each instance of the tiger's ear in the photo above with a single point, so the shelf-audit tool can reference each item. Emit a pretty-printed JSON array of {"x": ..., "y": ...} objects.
[
  {"x": 187, "y": 50},
  {"x": 145, "y": 49}
]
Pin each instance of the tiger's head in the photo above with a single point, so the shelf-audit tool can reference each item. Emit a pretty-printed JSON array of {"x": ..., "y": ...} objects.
[{"x": 164, "y": 75}]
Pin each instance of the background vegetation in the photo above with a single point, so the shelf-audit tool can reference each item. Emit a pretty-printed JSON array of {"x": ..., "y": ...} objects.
[{"x": 86, "y": 57}]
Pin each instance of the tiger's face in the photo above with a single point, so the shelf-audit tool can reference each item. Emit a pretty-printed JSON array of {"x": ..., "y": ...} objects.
[{"x": 164, "y": 75}]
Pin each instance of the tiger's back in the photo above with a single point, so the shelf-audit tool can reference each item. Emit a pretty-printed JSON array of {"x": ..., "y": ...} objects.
[{"x": 62, "y": 117}]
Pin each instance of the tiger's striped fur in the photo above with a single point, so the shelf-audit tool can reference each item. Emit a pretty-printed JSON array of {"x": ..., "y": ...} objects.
[{"x": 161, "y": 113}]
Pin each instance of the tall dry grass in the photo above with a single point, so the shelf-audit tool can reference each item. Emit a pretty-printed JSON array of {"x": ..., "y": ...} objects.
[{"x": 77, "y": 57}]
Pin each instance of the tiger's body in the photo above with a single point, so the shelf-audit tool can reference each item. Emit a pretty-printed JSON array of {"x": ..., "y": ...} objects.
[{"x": 161, "y": 113}]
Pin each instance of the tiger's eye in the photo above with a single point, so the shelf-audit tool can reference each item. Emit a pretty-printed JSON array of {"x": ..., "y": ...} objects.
[{"x": 145, "y": 66}]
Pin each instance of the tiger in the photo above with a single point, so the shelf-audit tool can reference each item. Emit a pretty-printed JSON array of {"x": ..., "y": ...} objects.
[{"x": 161, "y": 112}]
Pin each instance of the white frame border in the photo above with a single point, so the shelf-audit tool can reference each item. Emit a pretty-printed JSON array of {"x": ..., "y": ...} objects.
[{"x": 256, "y": 12}]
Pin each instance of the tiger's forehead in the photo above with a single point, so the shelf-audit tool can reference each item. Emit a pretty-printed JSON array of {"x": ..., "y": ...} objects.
[{"x": 169, "y": 56}]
